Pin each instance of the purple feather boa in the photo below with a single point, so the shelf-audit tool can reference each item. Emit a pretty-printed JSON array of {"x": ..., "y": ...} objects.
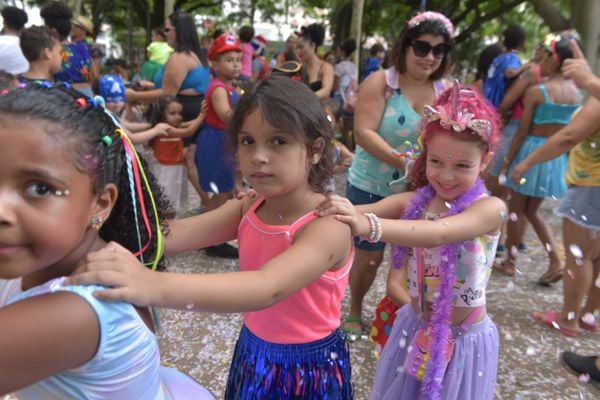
[{"x": 442, "y": 311}]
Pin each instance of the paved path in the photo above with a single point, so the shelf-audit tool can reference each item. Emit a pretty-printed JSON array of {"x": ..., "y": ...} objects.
[{"x": 202, "y": 344}]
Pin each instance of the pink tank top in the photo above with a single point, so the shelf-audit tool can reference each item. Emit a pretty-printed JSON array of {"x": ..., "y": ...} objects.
[{"x": 310, "y": 314}]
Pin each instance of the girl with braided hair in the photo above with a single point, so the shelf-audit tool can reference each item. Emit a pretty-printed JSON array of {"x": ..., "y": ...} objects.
[
  {"x": 442, "y": 345},
  {"x": 70, "y": 181}
]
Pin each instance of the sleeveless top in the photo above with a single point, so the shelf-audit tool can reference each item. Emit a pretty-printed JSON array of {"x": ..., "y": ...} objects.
[
  {"x": 553, "y": 113},
  {"x": 126, "y": 364},
  {"x": 399, "y": 123},
  {"x": 310, "y": 314},
  {"x": 473, "y": 270},
  {"x": 168, "y": 151},
  {"x": 584, "y": 162},
  {"x": 211, "y": 115},
  {"x": 316, "y": 85},
  {"x": 196, "y": 79}
]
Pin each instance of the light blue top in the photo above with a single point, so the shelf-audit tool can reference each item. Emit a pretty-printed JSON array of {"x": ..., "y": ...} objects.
[
  {"x": 553, "y": 113},
  {"x": 399, "y": 123},
  {"x": 126, "y": 365},
  {"x": 197, "y": 79}
]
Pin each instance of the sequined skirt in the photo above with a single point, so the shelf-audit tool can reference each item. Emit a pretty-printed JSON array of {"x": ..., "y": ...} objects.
[{"x": 308, "y": 371}]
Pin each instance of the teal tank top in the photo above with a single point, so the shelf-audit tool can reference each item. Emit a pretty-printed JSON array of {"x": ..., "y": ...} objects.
[
  {"x": 399, "y": 123},
  {"x": 553, "y": 113}
]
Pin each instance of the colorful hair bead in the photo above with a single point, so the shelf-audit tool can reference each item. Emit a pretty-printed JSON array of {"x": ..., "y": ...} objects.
[
  {"x": 81, "y": 102},
  {"x": 107, "y": 140}
]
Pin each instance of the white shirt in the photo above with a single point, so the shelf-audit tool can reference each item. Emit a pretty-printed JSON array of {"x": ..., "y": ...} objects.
[{"x": 12, "y": 59}]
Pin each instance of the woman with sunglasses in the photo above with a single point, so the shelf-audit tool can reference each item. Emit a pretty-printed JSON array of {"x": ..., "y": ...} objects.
[
  {"x": 185, "y": 75},
  {"x": 547, "y": 107},
  {"x": 388, "y": 113}
]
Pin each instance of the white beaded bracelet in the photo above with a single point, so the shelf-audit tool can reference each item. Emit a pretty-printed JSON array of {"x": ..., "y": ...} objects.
[{"x": 375, "y": 231}]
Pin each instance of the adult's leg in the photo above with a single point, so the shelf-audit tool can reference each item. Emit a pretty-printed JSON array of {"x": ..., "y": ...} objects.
[
  {"x": 516, "y": 207},
  {"x": 554, "y": 271},
  {"x": 503, "y": 192},
  {"x": 578, "y": 281}
]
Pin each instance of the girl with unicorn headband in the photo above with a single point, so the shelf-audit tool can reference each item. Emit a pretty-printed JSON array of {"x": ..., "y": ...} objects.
[{"x": 443, "y": 345}]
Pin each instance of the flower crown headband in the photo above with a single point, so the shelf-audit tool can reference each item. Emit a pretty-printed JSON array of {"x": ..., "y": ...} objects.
[
  {"x": 551, "y": 39},
  {"x": 452, "y": 118},
  {"x": 431, "y": 15}
]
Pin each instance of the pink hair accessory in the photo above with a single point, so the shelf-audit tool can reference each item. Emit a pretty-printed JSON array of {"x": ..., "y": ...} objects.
[
  {"x": 429, "y": 15},
  {"x": 451, "y": 117}
]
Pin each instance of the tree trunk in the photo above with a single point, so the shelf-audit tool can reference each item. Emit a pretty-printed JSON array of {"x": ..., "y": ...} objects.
[
  {"x": 169, "y": 7},
  {"x": 356, "y": 27},
  {"x": 585, "y": 15},
  {"x": 551, "y": 14}
]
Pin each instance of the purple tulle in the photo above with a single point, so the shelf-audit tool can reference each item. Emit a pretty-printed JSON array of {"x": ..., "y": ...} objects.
[{"x": 442, "y": 308}]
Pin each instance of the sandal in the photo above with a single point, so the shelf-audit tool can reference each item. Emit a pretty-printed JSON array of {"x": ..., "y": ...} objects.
[
  {"x": 504, "y": 269},
  {"x": 352, "y": 332},
  {"x": 551, "y": 277},
  {"x": 589, "y": 325},
  {"x": 548, "y": 319}
]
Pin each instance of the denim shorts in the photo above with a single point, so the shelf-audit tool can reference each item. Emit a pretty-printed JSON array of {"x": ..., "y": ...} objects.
[
  {"x": 357, "y": 197},
  {"x": 580, "y": 204}
]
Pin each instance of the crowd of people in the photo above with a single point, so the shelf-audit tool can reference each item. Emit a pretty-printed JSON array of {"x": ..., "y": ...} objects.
[{"x": 434, "y": 167}]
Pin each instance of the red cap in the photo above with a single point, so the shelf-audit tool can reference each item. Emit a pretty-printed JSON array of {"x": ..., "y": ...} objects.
[
  {"x": 261, "y": 39},
  {"x": 224, "y": 43}
]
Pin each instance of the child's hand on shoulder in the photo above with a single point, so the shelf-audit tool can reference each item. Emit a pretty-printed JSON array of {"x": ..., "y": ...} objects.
[
  {"x": 344, "y": 211},
  {"x": 115, "y": 266},
  {"x": 162, "y": 129}
]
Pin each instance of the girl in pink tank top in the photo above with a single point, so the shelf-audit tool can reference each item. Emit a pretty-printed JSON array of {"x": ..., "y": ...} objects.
[{"x": 293, "y": 265}]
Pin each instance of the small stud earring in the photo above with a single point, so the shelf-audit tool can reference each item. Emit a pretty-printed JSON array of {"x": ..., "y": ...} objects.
[{"x": 96, "y": 222}]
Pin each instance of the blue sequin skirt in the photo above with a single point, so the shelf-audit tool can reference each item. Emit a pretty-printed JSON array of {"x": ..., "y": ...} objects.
[
  {"x": 542, "y": 180},
  {"x": 308, "y": 371}
]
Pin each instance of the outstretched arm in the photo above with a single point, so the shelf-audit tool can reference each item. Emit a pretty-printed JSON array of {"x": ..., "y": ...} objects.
[
  {"x": 533, "y": 97},
  {"x": 483, "y": 217},
  {"x": 390, "y": 207},
  {"x": 322, "y": 245},
  {"x": 585, "y": 123}
]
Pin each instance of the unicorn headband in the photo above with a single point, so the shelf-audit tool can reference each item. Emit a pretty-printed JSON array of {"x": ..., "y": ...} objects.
[
  {"x": 431, "y": 15},
  {"x": 451, "y": 117}
]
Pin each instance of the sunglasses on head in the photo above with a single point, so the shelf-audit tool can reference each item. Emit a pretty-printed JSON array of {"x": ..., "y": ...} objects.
[{"x": 422, "y": 49}]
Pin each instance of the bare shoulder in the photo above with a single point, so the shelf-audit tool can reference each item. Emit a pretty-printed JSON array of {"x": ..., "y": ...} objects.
[
  {"x": 326, "y": 230},
  {"x": 376, "y": 82}
]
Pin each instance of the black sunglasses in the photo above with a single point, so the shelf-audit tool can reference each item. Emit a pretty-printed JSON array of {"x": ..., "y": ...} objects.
[{"x": 422, "y": 49}]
